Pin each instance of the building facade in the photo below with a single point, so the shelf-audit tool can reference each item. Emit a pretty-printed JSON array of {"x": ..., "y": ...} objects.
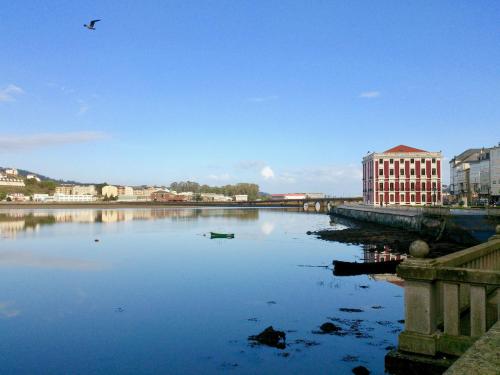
[
  {"x": 84, "y": 190},
  {"x": 109, "y": 191},
  {"x": 475, "y": 176},
  {"x": 402, "y": 175}
]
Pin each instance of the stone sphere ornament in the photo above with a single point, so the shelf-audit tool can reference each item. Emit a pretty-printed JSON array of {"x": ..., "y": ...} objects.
[{"x": 419, "y": 249}]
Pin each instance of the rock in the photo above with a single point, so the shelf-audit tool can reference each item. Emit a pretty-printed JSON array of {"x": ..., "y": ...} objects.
[
  {"x": 96, "y": 240},
  {"x": 360, "y": 370},
  {"x": 329, "y": 327},
  {"x": 309, "y": 232},
  {"x": 377, "y": 307},
  {"x": 270, "y": 337},
  {"x": 349, "y": 310}
]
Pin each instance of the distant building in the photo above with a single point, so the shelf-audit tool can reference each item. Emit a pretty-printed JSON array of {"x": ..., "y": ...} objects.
[
  {"x": 11, "y": 181},
  {"x": 42, "y": 197},
  {"x": 12, "y": 172},
  {"x": 402, "y": 175},
  {"x": 241, "y": 198},
  {"x": 475, "y": 176},
  {"x": 495, "y": 173},
  {"x": 167, "y": 196},
  {"x": 213, "y": 197},
  {"x": 315, "y": 195},
  {"x": 125, "y": 190},
  {"x": 288, "y": 196},
  {"x": 145, "y": 191},
  {"x": 58, "y": 197},
  {"x": 109, "y": 191},
  {"x": 84, "y": 190},
  {"x": 33, "y": 177},
  {"x": 17, "y": 197},
  {"x": 64, "y": 189}
]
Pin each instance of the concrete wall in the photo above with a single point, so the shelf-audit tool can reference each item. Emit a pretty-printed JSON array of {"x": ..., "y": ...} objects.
[{"x": 393, "y": 218}]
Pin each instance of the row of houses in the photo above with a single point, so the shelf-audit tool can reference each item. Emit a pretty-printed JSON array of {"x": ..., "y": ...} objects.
[
  {"x": 10, "y": 177},
  {"x": 475, "y": 176}
]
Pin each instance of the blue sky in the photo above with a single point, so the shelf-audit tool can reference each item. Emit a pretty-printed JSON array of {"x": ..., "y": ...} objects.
[{"x": 288, "y": 94}]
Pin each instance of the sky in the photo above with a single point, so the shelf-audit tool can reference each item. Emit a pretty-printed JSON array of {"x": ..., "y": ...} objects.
[{"x": 287, "y": 94}]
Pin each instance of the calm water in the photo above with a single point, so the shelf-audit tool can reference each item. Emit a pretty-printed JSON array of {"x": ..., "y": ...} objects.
[{"x": 156, "y": 296}]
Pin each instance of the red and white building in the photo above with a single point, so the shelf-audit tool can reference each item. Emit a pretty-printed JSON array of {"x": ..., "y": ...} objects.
[{"x": 402, "y": 175}]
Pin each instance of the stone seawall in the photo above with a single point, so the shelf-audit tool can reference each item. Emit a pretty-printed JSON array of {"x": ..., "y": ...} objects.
[{"x": 394, "y": 218}]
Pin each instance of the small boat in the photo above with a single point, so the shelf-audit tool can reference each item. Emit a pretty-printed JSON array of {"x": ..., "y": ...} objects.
[
  {"x": 353, "y": 268},
  {"x": 221, "y": 235}
]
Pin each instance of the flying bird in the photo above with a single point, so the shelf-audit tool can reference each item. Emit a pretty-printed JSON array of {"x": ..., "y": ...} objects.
[{"x": 91, "y": 25}]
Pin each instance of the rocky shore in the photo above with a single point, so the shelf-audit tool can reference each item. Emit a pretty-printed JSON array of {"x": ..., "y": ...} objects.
[{"x": 398, "y": 240}]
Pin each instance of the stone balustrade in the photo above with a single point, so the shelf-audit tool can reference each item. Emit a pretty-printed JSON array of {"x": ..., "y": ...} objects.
[{"x": 450, "y": 301}]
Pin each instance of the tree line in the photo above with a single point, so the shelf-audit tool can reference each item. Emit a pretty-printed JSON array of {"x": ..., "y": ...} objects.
[{"x": 252, "y": 190}]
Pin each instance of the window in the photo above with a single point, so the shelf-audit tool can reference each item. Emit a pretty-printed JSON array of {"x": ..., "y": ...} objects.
[
  {"x": 433, "y": 160},
  {"x": 413, "y": 197},
  {"x": 423, "y": 198},
  {"x": 402, "y": 172},
  {"x": 412, "y": 186},
  {"x": 422, "y": 160},
  {"x": 391, "y": 172},
  {"x": 433, "y": 171},
  {"x": 423, "y": 185},
  {"x": 380, "y": 172},
  {"x": 412, "y": 161},
  {"x": 391, "y": 161},
  {"x": 434, "y": 186},
  {"x": 402, "y": 186},
  {"x": 391, "y": 186},
  {"x": 392, "y": 197},
  {"x": 423, "y": 172},
  {"x": 380, "y": 161},
  {"x": 402, "y": 198},
  {"x": 412, "y": 172},
  {"x": 381, "y": 186},
  {"x": 401, "y": 161}
]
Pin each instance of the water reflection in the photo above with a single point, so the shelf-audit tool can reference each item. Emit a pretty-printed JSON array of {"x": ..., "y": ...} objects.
[
  {"x": 13, "y": 221},
  {"x": 157, "y": 296}
]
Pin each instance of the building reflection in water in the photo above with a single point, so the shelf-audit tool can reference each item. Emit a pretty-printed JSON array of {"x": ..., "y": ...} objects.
[
  {"x": 14, "y": 221},
  {"x": 374, "y": 254}
]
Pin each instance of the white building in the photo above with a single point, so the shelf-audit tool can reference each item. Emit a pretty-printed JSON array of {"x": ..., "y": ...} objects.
[
  {"x": 475, "y": 175},
  {"x": 241, "y": 198},
  {"x": 10, "y": 181},
  {"x": 11, "y": 172},
  {"x": 73, "y": 198},
  {"x": 33, "y": 177},
  {"x": 84, "y": 190},
  {"x": 42, "y": 198},
  {"x": 109, "y": 191},
  {"x": 125, "y": 190}
]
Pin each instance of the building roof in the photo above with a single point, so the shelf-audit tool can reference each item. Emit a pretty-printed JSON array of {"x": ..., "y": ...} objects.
[{"x": 403, "y": 148}]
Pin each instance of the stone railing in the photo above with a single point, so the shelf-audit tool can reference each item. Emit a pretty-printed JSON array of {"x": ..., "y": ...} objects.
[{"x": 450, "y": 301}]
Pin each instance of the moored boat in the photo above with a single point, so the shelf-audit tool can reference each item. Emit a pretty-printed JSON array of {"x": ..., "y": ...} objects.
[
  {"x": 354, "y": 268},
  {"x": 221, "y": 235}
]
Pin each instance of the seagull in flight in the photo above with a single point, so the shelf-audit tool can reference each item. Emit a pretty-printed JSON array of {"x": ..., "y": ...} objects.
[{"x": 91, "y": 25}]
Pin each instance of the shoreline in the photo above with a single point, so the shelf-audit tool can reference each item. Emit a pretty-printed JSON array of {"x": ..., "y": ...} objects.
[{"x": 30, "y": 205}]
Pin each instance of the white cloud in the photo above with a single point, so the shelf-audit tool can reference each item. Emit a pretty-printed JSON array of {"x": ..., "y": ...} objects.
[
  {"x": 13, "y": 143},
  {"x": 370, "y": 94},
  {"x": 84, "y": 107},
  {"x": 260, "y": 99},
  {"x": 10, "y": 92},
  {"x": 267, "y": 172}
]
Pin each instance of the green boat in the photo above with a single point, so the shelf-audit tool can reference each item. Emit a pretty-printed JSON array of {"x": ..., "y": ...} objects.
[{"x": 221, "y": 235}]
